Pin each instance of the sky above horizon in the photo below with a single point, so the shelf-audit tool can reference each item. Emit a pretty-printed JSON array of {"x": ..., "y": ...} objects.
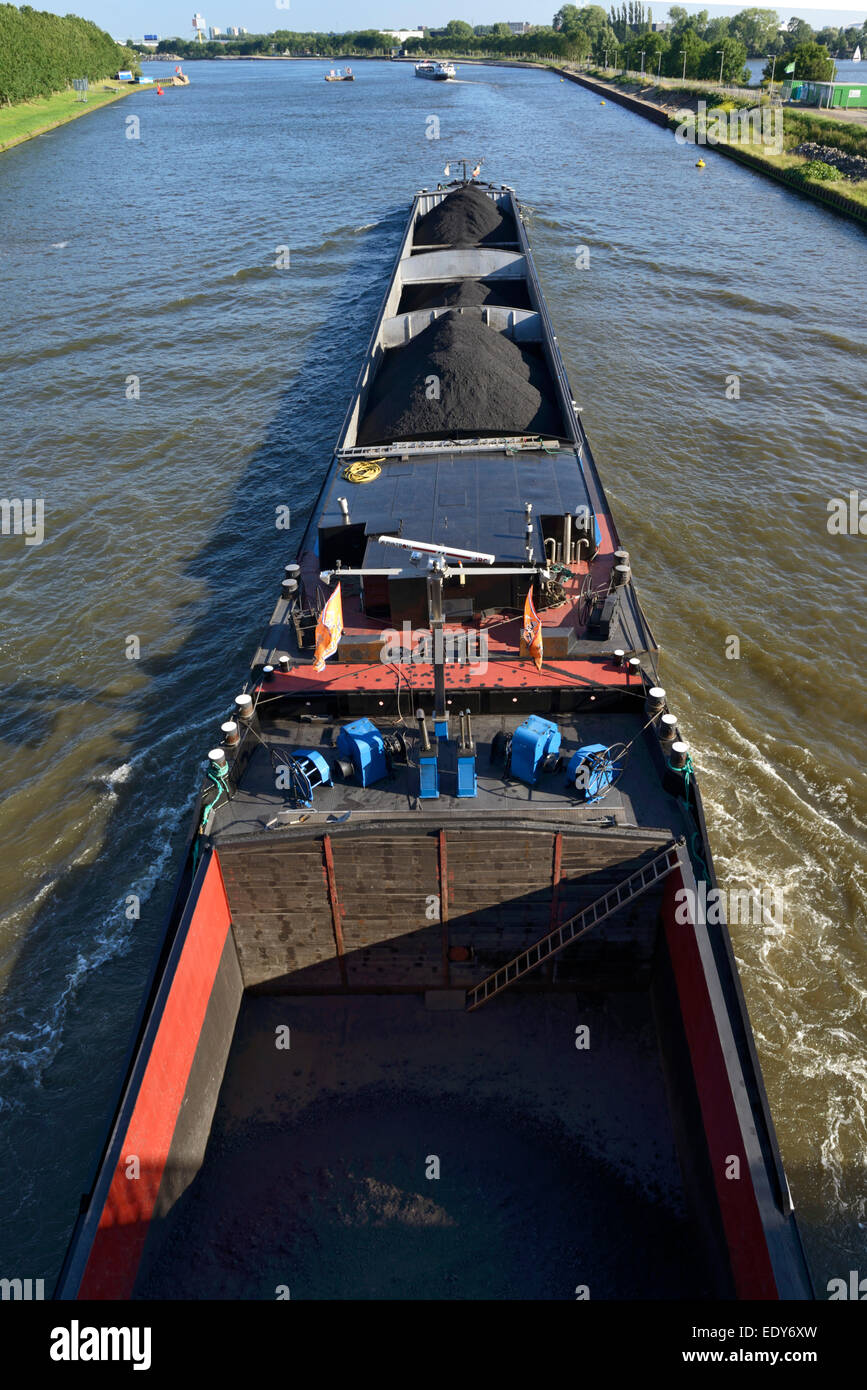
[{"x": 168, "y": 18}]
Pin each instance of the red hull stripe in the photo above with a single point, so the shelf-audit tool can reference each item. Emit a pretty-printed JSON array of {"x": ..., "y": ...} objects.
[
  {"x": 742, "y": 1222},
  {"x": 114, "y": 1258}
]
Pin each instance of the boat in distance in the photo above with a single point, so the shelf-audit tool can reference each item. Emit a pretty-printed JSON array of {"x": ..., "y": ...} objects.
[
  {"x": 437, "y": 988},
  {"x": 340, "y": 75},
  {"x": 437, "y": 72}
]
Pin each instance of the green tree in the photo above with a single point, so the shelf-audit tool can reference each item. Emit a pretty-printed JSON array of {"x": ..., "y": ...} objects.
[
  {"x": 800, "y": 30},
  {"x": 681, "y": 21},
  {"x": 605, "y": 45},
  {"x": 731, "y": 53},
  {"x": 592, "y": 19},
  {"x": 41, "y": 53},
  {"x": 687, "y": 45},
  {"x": 566, "y": 19},
  {"x": 716, "y": 30},
  {"x": 459, "y": 29},
  {"x": 651, "y": 45},
  {"x": 833, "y": 39},
  {"x": 813, "y": 63},
  {"x": 757, "y": 28}
]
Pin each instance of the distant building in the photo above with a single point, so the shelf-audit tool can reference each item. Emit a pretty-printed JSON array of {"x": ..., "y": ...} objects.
[
  {"x": 233, "y": 31},
  {"x": 214, "y": 32},
  {"x": 403, "y": 34},
  {"x": 518, "y": 26},
  {"x": 661, "y": 28}
]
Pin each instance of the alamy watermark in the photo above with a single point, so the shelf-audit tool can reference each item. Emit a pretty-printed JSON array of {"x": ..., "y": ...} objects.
[
  {"x": 23, "y": 516},
  {"x": 760, "y": 125},
  {"x": 462, "y": 646},
  {"x": 77, "y": 1343},
  {"x": 26, "y": 1290},
  {"x": 713, "y": 906}
]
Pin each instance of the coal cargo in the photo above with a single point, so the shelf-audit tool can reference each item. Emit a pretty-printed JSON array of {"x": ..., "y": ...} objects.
[
  {"x": 467, "y": 217},
  {"x": 464, "y": 294},
  {"x": 460, "y": 378}
]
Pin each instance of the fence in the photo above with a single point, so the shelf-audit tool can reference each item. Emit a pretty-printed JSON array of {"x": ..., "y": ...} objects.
[{"x": 673, "y": 83}]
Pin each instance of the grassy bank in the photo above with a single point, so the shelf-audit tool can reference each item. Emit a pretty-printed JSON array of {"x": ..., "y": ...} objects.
[{"x": 25, "y": 119}]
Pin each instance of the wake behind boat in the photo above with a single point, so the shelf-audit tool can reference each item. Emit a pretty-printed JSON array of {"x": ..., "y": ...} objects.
[{"x": 450, "y": 894}]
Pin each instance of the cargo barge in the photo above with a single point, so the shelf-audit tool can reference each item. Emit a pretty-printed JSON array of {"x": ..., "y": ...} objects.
[{"x": 438, "y": 1013}]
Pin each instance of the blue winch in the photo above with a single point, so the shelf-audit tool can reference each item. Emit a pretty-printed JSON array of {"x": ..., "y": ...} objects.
[
  {"x": 307, "y": 770},
  {"x": 363, "y": 744},
  {"x": 368, "y": 755},
  {"x": 532, "y": 742},
  {"x": 591, "y": 772}
]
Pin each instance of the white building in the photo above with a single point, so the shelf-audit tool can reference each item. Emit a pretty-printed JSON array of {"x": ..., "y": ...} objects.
[
  {"x": 401, "y": 35},
  {"x": 214, "y": 32}
]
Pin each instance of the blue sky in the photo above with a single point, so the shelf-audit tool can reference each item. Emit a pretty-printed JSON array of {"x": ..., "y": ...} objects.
[{"x": 172, "y": 18}]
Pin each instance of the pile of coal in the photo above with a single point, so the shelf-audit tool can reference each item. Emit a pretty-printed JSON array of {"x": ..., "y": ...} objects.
[
  {"x": 463, "y": 293},
  {"x": 466, "y": 217},
  {"x": 457, "y": 379}
]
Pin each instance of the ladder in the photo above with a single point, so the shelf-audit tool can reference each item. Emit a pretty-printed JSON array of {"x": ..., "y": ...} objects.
[
  {"x": 622, "y": 893},
  {"x": 419, "y": 448}
]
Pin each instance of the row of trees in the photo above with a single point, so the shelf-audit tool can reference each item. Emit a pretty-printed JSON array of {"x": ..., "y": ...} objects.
[
  {"x": 542, "y": 42},
  {"x": 842, "y": 42},
  {"x": 693, "y": 45},
  {"x": 41, "y": 53},
  {"x": 368, "y": 41}
]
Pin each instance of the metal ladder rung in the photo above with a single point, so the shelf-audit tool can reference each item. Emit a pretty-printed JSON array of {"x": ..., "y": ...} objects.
[{"x": 631, "y": 887}]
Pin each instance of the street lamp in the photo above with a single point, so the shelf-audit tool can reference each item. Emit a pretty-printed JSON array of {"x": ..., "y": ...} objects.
[
  {"x": 773, "y": 63},
  {"x": 659, "y": 67},
  {"x": 642, "y": 62},
  {"x": 720, "y": 53},
  {"x": 684, "y": 64}
]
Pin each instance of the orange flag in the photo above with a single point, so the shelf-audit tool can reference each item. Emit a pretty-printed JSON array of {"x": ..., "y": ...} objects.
[
  {"x": 329, "y": 630},
  {"x": 531, "y": 632}
]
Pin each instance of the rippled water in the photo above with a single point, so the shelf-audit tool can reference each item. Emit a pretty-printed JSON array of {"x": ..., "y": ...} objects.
[{"x": 155, "y": 258}]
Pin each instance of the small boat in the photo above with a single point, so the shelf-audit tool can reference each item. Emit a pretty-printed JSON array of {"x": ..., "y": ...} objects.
[
  {"x": 438, "y": 72},
  {"x": 856, "y": 56},
  {"x": 340, "y": 75}
]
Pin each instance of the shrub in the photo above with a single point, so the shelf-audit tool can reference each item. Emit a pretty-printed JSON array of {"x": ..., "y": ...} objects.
[{"x": 818, "y": 169}]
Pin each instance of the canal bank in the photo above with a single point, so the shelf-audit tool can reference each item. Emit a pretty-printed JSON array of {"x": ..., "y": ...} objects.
[
  {"x": 27, "y": 119},
  {"x": 663, "y": 115}
]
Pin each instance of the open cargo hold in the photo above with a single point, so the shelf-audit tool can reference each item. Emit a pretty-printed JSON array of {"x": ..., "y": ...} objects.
[{"x": 438, "y": 1021}]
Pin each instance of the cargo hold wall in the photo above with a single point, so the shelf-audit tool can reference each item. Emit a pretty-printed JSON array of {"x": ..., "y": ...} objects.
[{"x": 423, "y": 908}]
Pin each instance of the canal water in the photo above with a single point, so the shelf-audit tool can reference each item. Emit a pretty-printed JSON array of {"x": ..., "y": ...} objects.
[
  {"x": 188, "y": 295},
  {"x": 846, "y": 70}
]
